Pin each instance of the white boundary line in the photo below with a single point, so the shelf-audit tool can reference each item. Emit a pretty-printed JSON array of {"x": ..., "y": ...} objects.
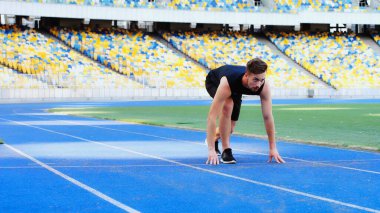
[
  {"x": 126, "y": 122},
  {"x": 319, "y": 163},
  {"x": 131, "y": 165},
  {"x": 241, "y": 150},
  {"x": 75, "y": 182},
  {"x": 136, "y": 165},
  {"x": 204, "y": 170}
]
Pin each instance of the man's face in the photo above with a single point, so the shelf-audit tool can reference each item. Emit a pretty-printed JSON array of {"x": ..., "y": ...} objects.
[{"x": 255, "y": 80}]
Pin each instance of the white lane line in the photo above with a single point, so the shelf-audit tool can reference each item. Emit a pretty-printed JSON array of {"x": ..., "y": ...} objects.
[
  {"x": 349, "y": 161},
  {"x": 295, "y": 164},
  {"x": 75, "y": 182},
  {"x": 95, "y": 166},
  {"x": 319, "y": 163},
  {"x": 134, "y": 165},
  {"x": 20, "y": 167},
  {"x": 241, "y": 150},
  {"x": 285, "y": 142},
  {"x": 211, "y": 171}
]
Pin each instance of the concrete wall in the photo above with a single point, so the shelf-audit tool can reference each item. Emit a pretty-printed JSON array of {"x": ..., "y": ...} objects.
[{"x": 55, "y": 94}]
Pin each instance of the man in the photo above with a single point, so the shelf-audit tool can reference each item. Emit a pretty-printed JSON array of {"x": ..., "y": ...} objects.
[{"x": 226, "y": 85}]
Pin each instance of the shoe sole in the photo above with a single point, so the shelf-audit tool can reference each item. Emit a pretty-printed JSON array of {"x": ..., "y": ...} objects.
[{"x": 228, "y": 162}]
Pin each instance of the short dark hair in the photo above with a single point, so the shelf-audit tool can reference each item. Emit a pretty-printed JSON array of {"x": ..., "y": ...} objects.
[{"x": 256, "y": 66}]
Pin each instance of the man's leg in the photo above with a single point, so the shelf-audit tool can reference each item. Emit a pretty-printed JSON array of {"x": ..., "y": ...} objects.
[
  {"x": 225, "y": 123},
  {"x": 233, "y": 124},
  {"x": 226, "y": 127},
  {"x": 217, "y": 133}
]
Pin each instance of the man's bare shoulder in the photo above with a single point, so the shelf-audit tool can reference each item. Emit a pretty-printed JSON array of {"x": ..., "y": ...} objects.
[{"x": 224, "y": 89}]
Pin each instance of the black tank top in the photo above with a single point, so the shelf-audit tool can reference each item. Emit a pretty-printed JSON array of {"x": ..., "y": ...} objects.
[{"x": 234, "y": 75}]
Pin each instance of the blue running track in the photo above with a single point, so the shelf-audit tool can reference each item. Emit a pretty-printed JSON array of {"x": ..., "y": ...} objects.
[{"x": 60, "y": 163}]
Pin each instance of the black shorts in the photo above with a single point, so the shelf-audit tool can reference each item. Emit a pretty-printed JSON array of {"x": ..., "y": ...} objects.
[{"x": 211, "y": 88}]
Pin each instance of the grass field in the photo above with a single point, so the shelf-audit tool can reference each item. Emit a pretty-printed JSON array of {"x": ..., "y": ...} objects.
[{"x": 342, "y": 125}]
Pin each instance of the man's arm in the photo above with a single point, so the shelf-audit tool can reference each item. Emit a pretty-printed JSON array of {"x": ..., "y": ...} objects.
[
  {"x": 222, "y": 93},
  {"x": 266, "y": 108}
]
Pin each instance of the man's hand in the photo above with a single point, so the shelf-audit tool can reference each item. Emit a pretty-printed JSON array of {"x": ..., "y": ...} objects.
[
  {"x": 212, "y": 158},
  {"x": 273, "y": 153}
]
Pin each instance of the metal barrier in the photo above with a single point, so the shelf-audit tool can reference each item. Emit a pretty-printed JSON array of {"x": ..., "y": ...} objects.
[{"x": 79, "y": 94}]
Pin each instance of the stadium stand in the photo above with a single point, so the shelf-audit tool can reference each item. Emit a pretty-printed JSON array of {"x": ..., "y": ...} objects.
[
  {"x": 286, "y": 6},
  {"x": 218, "y": 48},
  {"x": 135, "y": 54},
  {"x": 280, "y": 6},
  {"x": 294, "y": 6},
  {"x": 32, "y": 53},
  {"x": 212, "y": 5},
  {"x": 376, "y": 37},
  {"x": 340, "y": 59},
  {"x": 208, "y": 5},
  {"x": 12, "y": 79}
]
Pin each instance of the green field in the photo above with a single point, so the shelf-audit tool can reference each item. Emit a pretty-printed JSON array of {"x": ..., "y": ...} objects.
[{"x": 342, "y": 125}]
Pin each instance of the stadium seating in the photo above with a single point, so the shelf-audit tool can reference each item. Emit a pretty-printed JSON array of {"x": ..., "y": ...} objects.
[
  {"x": 13, "y": 79},
  {"x": 135, "y": 54},
  {"x": 342, "y": 60},
  {"x": 287, "y": 6},
  {"x": 210, "y": 5},
  {"x": 111, "y": 3},
  {"x": 218, "y": 48},
  {"x": 376, "y": 37},
  {"x": 32, "y": 53},
  {"x": 315, "y": 5}
]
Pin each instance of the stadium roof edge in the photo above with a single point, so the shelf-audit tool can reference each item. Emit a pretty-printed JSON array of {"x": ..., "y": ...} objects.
[{"x": 184, "y": 16}]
